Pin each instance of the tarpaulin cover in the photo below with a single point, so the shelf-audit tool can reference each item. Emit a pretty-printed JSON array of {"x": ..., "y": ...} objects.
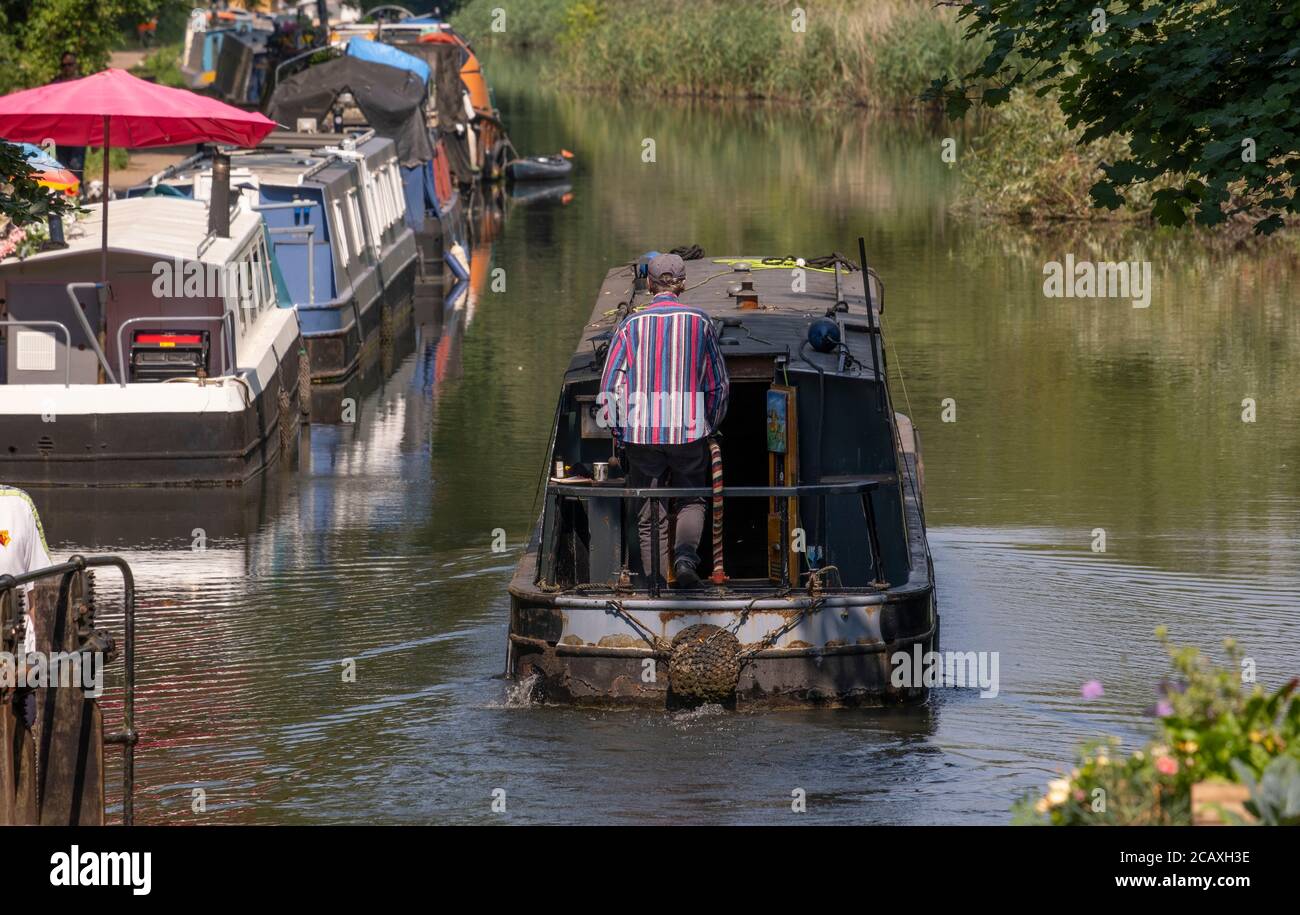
[
  {"x": 379, "y": 53},
  {"x": 417, "y": 188},
  {"x": 390, "y": 99},
  {"x": 445, "y": 61}
]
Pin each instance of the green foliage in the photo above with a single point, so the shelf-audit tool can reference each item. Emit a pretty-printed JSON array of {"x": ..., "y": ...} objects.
[
  {"x": 33, "y": 36},
  {"x": 22, "y": 200},
  {"x": 537, "y": 23},
  {"x": 1203, "y": 95},
  {"x": 163, "y": 66},
  {"x": 1107, "y": 788},
  {"x": 119, "y": 158},
  {"x": 1027, "y": 165},
  {"x": 883, "y": 53},
  {"x": 1275, "y": 796},
  {"x": 1211, "y": 728},
  {"x": 919, "y": 44}
]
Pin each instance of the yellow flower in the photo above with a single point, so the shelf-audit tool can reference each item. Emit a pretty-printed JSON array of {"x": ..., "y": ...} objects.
[
  {"x": 1190, "y": 746},
  {"x": 1058, "y": 792},
  {"x": 1256, "y": 736},
  {"x": 1041, "y": 806}
]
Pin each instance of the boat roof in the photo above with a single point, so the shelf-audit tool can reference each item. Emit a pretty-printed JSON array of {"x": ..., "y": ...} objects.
[
  {"x": 162, "y": 227},
  {"x": 779, "y": 325},
  {"x": 289, "y": 164}
]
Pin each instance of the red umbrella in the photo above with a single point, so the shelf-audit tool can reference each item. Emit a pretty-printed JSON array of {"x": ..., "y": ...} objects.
[{"x": 114, "y": 108}]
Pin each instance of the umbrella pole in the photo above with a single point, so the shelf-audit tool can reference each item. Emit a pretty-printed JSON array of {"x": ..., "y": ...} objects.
[
  {"x": 103, "y": 257},
  {"x": 103, "y": 238}
]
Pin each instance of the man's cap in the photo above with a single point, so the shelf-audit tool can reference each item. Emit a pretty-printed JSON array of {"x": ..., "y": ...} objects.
[{"x": 669, "y": 264}]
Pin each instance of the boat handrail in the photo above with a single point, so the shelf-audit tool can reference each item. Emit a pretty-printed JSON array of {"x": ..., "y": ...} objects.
[
  {"x": 228, "y": 349},
  {"x": 128, "y": 736},
  {"x": 848, "y": 488},
  {"x": 862, "y": 488},
  {"x": 91, "y": 336},
  {"x": 67, "y": 340},
  {"x": 310, "y": 232}
]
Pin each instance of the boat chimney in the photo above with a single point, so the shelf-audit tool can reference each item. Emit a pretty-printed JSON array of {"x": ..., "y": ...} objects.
[
  {"x": 219, "y": 199},
  {"x": 743, "y": 292},
  {"x": 746, "y": 295}
]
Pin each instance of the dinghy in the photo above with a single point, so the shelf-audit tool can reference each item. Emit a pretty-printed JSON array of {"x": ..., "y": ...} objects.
[{"x": 539, "y": 168}]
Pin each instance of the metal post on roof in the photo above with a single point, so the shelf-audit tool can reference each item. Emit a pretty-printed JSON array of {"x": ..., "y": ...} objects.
[
  {"x": 219, "y": 196},
  {"x": 874, "y": 335}
]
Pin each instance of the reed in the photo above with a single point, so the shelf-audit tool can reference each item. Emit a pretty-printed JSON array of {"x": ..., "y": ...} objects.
[{"x": 882, "y": 53}]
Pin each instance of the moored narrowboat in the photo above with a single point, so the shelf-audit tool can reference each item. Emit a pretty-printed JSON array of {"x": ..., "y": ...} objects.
[
  {"x": 185, "y": 367},
  {"x": 366, "y": 84},
  {"x": 816, "y": 569},
  {"x": 335, "y": 210}
]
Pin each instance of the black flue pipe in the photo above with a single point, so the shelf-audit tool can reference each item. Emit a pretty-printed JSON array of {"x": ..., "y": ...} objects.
[{"x": 219, "y": 201}]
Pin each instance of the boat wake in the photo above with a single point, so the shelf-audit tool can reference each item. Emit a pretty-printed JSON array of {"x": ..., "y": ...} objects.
[{"x": 520, "y": 694}]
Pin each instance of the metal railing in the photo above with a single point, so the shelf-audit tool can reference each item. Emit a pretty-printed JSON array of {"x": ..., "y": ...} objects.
[
  {"x": 308, "y": 230},
  {"x": 560, "y": 492},
  {"x": 127, "y": 738},
  {"x": 67, "y": 341},
  {"x": 91, "y": 336},
  {"x": 228, "y": 338}
]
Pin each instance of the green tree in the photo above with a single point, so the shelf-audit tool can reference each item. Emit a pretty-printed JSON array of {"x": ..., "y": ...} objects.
[
  {"x": 22, "y": 199},
  {"x": 1206, "y": 94},
  {"x": 35, "y": 33}
]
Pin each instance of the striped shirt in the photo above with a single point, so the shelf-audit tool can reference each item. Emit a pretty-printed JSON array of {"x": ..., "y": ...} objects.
[{"x": 665, "y": 381}]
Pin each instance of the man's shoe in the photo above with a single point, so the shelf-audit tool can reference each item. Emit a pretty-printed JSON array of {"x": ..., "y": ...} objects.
[{"x": 685, "y": 573}]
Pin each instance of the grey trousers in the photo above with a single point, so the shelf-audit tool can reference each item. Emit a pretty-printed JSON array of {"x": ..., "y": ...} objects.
[{"x": 670, "y": 465}]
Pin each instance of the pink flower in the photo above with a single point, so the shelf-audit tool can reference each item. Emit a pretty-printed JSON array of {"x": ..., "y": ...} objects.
[
  {"x": 1092, "y": 690},
  {"x": 1167, "y": 765}
]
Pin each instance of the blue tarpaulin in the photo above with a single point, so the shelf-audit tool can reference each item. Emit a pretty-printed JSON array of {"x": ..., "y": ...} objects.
[
  {"x": 417, "y": 187},
  {"x": 379, "y": 53}
]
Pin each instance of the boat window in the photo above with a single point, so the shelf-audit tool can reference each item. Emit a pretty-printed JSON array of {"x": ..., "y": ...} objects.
[
  {"x": 375, "y": 204},
  {"x": 268, "y": 281},
  {"x": 255, "y": 290},
  {"x": 395, "y": 188},
  {"x": 354, "y": 222},
  {"x": 393, "y": 193},
  {"x": 382, "y": 205},
  {"x": 386, "y": 187},
  {"x": 340, "y": 238},
  {"x": 237, "y": 293}
]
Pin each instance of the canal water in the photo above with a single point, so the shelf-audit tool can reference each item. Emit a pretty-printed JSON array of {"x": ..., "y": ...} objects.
[{"x": 1072, "y": 417}]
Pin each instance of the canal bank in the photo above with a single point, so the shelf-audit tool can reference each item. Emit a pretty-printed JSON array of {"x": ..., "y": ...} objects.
[{"x": 1070, "y": 415}]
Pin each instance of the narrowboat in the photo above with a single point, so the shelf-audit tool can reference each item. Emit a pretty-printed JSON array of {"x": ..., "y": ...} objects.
[
  {"x": 335, "y": 211},
  {"x": 185, "y": 367},
  {"x": 366, "y": 84},
  {"x": 816, "y": 569},
  {"x": 468, "y": 120},
  {"x": 225, "y": 43}
]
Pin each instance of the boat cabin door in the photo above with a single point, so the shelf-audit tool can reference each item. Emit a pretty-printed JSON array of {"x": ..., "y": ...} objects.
[{"x": 54, "y": 346}]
